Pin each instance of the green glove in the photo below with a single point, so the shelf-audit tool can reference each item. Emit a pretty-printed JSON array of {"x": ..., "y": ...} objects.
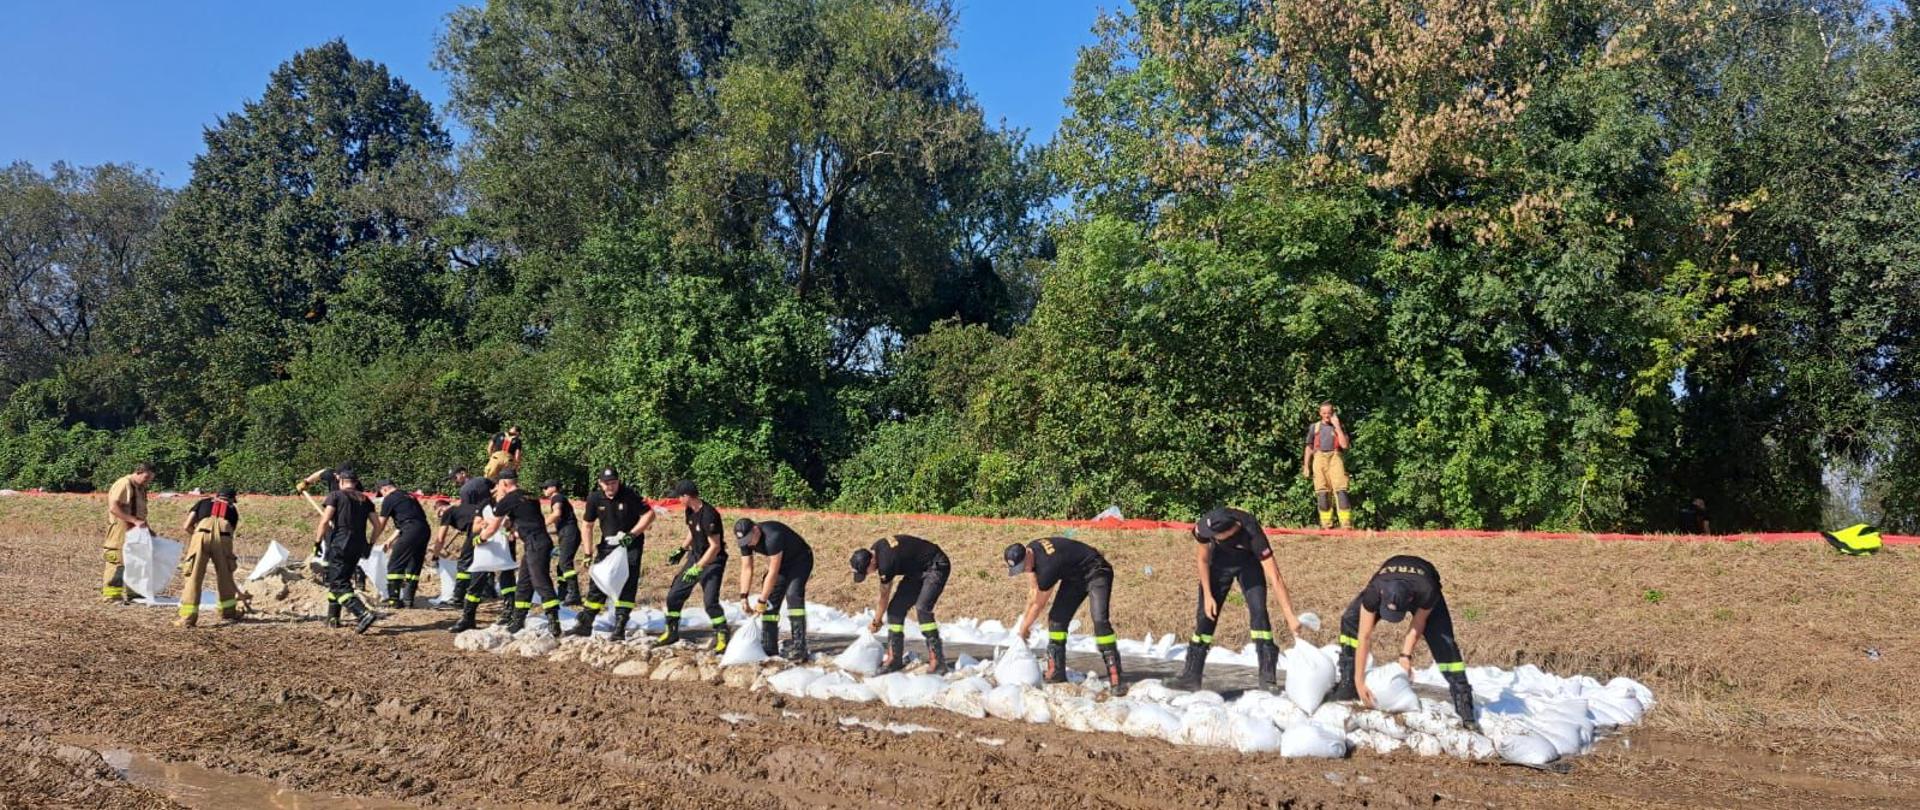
[
  {"x": 692, "y": 574},
  {"x": 674, "y": 556}
]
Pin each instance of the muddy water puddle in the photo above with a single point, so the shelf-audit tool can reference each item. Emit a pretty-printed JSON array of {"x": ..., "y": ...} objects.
[{"x": 199, "y": 787}]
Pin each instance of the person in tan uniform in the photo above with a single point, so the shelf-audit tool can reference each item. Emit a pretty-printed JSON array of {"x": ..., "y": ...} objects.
[
  {"x": 126, "y": 511},
  {"x": 503, "y": 452},
  {"x": 1325, "y": 464},
  {"x": 209, "y": 529}
]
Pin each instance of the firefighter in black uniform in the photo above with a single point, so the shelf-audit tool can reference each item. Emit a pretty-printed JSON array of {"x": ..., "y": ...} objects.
[
  {"x": 706, "y": 554},
  {"x": 922, "y": 569},
  {"x": 565, "y": 528},
  {"x": 536, "y": 553},
  {"x": 789, "y": 566},
  {"x": 456, "y": 541},
  {"x": 1082, "y": 575},
  {"x": 476, "y": 494},
  {"x": 1233, "y": 548},
  {"x": 1404, "y": 585},
  {"x": 342, "y": 530},
  {"x": 407, "y": 552},
  {"x": 623, "y": 518}
]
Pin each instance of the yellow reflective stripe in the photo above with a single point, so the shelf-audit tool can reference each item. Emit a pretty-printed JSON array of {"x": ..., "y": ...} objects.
[
  {"x": 1261, "y": 635},
  {"x": 896, "y": 628},
  {"x": 462, "y": 575},
  {"x": 1349, "y": 641},
  {"x": 570, "y": 575},
  {"x": 473, "y": 599},
  {"x": 800, "y": 612},
  {"x": 1456, "y": 666},
  {"x": 719, "y": 621},
  {"x": 629, "y": 606},
  {"x": 1056, "y": 635},
  {"x": 592, "y": 605},
  {"x": 227, "y": 603},
  {"x": 673, "y": 614},
  {"x": 550, "y": 604},
  {"x": 189, "y": 610},
  {"x": 1103, "y": 641},
  {"x": 928, "y": 627},
  {"x": 770, "y": 618},
  {"x": 1202, "y": 638}
]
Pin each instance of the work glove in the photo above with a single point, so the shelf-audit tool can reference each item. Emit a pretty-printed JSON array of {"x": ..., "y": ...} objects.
[
  {"x": 692, "y": 574},
  {"x": 674, "y": 557}
]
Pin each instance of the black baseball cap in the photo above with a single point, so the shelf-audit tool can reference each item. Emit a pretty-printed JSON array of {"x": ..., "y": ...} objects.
[
  {"x": 609, "y": 474},
  {"x": 346, "y": 474},
  {"x": 1016, "y": 557},
  {"x": 229, "y": 493},
  {"x": 1394, "y": 598},
  {"x": 456, "y": 472},
  {"x": 1215, "y": 523},
  {"x": 510, "y": 474},
  {"x": 549, "y": 484},
  {"x": 862, "y": 559},
  {"x": 685, "y": 488},
  {"x": 742, "y": 527}
]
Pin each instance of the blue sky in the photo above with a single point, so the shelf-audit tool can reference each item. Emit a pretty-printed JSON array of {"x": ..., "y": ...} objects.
[{"x": 90, "y": 81}]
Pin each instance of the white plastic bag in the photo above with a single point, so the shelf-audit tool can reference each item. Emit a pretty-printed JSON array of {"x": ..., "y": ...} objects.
[
  {"x": 862, "y": 657},
  {"x": 912, "y": 691},
  {"x": 276, "y": 555},
  {"x": 1151, "y": 720},
  {"x": 1254, "y": 735},
  {"x": 1006, "y": 702},
  {"x": 967, "y": 697},
  {"x": 793, "y": 682},
  {"x": 1392, "y": 693},
  {"x": 1313, "y": 740},
  {"x": 493, "y": 555},
  {"x": 744, "y": 647},
  {"x": 449, "y": 571},
  {"x": 1206, "y": 725},
  {"x": 1528, "y": 749},
  {"x": 1017, "y": 667},
  {"x": 1309, "y": 676},
  {"x": 374, "y": 565},
  {"x": 150, "y": 562},
  {"x": 610, "y": 574}
]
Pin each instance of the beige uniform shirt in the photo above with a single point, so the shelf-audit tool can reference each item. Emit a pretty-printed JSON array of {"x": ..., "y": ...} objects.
[{"x": 131, "y": 497}]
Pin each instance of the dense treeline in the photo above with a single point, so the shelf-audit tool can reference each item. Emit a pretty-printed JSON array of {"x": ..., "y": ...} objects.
[{"x": 1561, "y": 262}]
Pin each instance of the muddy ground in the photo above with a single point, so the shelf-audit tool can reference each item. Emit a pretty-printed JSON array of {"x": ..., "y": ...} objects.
[{"x": 1758, "y": 653}]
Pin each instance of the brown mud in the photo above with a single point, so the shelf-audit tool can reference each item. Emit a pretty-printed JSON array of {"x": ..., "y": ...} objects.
[{"x": 401, "y": 716}]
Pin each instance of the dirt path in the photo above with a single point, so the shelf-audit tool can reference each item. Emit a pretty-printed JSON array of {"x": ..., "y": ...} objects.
[{"x": 400, "y": 715}]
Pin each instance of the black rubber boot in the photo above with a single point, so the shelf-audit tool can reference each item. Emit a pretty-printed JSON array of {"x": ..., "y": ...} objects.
[
  {"x": 570, "y": 592},
  {"x": 797, "y": 651},
  {"x": 333, "y": 614},
  {"x": 458, "y": 600},
  {"x": 1111, "y": 657},
  {"x": 403, "y": 598},
  {"x": 516, "y": 619},
  {"x": 670, "y": 636},
  {"x": 365, "y": 618},
  {"x": 467, "y": 620},
  {"x": 1462, "y": 694},
  {"x": 1343, "y": 688},
  {"x": 1189, "y": 679},
  {"x": 1056, "y": 662},
  {"x": 1269, "y": 655},
  {"x": 553, "y": 620},
  {"x": 620, "y": 623},
  {"x": 937, "y": 654},
  {"x": 769, "y": 637},
  {"x": 583, "y": 623},
  {"x": 896, "y": 657}
]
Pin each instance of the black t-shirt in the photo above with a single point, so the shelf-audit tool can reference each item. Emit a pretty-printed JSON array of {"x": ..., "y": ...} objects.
[
  {"x": 1422, "y": 579},
  {"x": 1693, "y": 519},
  {"x": 525, "y": 514},
  {"x": 404, "y": 511},
  {"x": 460, "y": 517},
  {"x": 352, "y": 510},
  {"x": 617, "y": 514},
  {"x": 331, "y": 480},
  {"x": 564, "y": 508},
  {"x": 704, "y": 523},
  {"x": 476, "y": 490},
  {"x": 905, "y": 555},
  {"x": 502, "y": 443},
  {"x": 204, "y": 510},
  {"x": 1248, "y": 545},
  {"x": 779, "y": 538},
  {"x": 1060, "y": 558}
]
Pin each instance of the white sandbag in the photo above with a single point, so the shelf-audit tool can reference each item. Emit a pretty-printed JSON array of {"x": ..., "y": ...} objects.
[
  {"x": 1039, "y": 710},
  {"x": 1073, "y": 714},
  {"x": 968, "y": 697},
  {"x": 1528, "y": 749},
  {"x": 492, "y": 556},
  {"x": 1392, "y": 693},
  {"x": 1110, "y": 717},
  {"x": 1424, "y": 744},
  {"x": 840, "y": 686},
  {"x": 1310, "y": 621},
  {"x": 862, "y": 657},
  {"x": 1152, "y": 690},
  {"x": 1361, "y": 739},
  {"x": 150, "y": 562},
  {"x": 1310, "y": 676},
  {"x": 1206, "y": 725},
  {"x": 449, "y": 571},
  {"x": 793, "y": 682},
  {"x": 1463, "y": 744},
  {"x": 275, "y": 556},
  {"x": 744, "y": 647},
  {"x": 1006, "y": 702},
  {"x": 1336, "y": 716},
  {"x": 1610, "y": 708},
  {"x": 610, "y": 573},
  {"x": 1564, "y": 723},
  {"x": 1017, "y": 667},
  {"x": 1378, "y": 722},
  {"x": 1151, "y": 720},
  {"x": 374, "y": 565},
  {"x": 1254, "y": 735},
  {"x": 483, "y": 639},
  {"x": 1276, "y": 709},
  {"x": 1433, "y": 718},
  {"x": 1200, "y": 698},
  {"x": 912, "y": 691},
  {"x": 1313, "y": 740}
]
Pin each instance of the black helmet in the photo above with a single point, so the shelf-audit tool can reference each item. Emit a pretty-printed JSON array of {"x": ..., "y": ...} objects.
[
  {"x": 862, "y": 560},
  {"x": 1016, "y": 557}
]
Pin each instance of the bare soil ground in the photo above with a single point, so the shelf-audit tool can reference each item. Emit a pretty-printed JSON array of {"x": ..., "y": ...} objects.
[{"x": 1757, "y": 652}]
